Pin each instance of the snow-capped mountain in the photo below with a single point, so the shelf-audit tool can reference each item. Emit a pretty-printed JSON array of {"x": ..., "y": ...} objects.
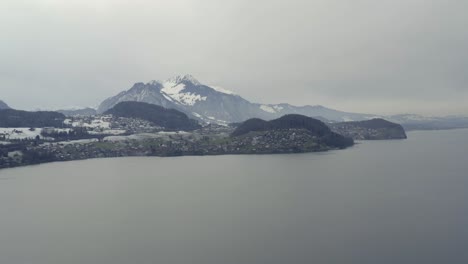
[
  {"x": 215, "y": 104},
  {"x": 3, "y": 105},
  {"x": 187, "y": 94}
]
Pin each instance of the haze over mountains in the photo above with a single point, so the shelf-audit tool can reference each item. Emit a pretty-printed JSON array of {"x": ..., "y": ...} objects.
[{"x": 215, "y": 105}]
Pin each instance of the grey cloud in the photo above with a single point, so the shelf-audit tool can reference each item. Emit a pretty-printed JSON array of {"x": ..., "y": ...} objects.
[{"x": 354, "y": 55}]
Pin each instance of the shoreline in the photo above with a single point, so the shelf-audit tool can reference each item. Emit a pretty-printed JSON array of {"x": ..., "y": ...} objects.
[
  {"x": 176, "y": 156},
  {"x": 186, "y": 144}
]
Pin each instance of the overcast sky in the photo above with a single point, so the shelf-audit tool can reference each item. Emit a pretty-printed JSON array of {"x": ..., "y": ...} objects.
[{"x": 386, "y": 56}]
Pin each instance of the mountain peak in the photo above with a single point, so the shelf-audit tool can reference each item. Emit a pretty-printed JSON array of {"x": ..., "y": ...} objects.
[
  {"x": 183, "y": 78},
  {"x": 155, "y": 82}
]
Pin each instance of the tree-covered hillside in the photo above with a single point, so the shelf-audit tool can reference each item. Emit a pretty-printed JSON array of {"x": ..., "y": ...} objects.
[
  {"x": 316, "y": 128},
  {"x": 170, "y": 119},
  {"x": 18, "y": 118}
]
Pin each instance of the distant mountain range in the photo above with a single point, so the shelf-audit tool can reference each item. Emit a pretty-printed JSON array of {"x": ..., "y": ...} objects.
[
  {"x": 374, "y": 129},
  {"x": 418, "y": 122},
  {"x": 87, "y": 111},
  {"x": 214, "y": 105}
]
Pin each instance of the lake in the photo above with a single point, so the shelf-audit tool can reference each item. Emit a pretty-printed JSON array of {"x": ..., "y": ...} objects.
[{"x": 403, "y": 201}]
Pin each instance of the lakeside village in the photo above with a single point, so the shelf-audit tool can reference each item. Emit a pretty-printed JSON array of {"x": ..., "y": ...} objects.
[
  {"x": 100, "y": 136},
  {"x": 84, "y": 137}
]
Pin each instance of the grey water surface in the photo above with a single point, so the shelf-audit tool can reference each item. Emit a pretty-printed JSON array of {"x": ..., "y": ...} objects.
[{"x": 403, "y": 201}]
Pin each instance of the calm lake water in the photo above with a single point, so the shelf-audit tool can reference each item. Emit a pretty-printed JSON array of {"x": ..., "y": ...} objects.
[{"x": 378, "y": 202}]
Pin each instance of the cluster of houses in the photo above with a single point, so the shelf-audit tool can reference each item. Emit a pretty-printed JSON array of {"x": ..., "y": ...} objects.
[{"x": 108, "y": 124}]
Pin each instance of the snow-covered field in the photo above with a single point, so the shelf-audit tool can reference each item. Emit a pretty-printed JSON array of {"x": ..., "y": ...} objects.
[
  {"x": 80, "y": 141},
  {"x": 20, "y": 133},
  {"x": 168, "y": 133},
  {"x": 130, "y": 137},
  {"x": 96, "y": 126},
  {"x": 25, "y": 132},
  {"x": 97, "y": 123},
  {"x": 71, "y": 142},
  {"x": 145, "y": 136},
  {"x": 108, "y": 131}
]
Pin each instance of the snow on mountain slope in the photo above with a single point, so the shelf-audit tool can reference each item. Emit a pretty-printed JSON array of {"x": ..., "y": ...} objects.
[
  {"x": 176, "y": 93},
  {"x": 187, "y": 94},
  {"x": 268, "y": 109},
  {"x": 222, "y": 90},
  {"x": 140, "y": 92},
  {"x": 215, "y": 104},
  {"x": 169, "y": 93},
  {"x": 181, "y": 79}
]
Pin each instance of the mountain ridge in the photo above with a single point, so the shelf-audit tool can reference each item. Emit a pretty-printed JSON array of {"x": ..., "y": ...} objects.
[
  {"x": 3, "y": 105},
  {"x": 213, "y": 105},
  {"x": 87, "y": 111}
]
